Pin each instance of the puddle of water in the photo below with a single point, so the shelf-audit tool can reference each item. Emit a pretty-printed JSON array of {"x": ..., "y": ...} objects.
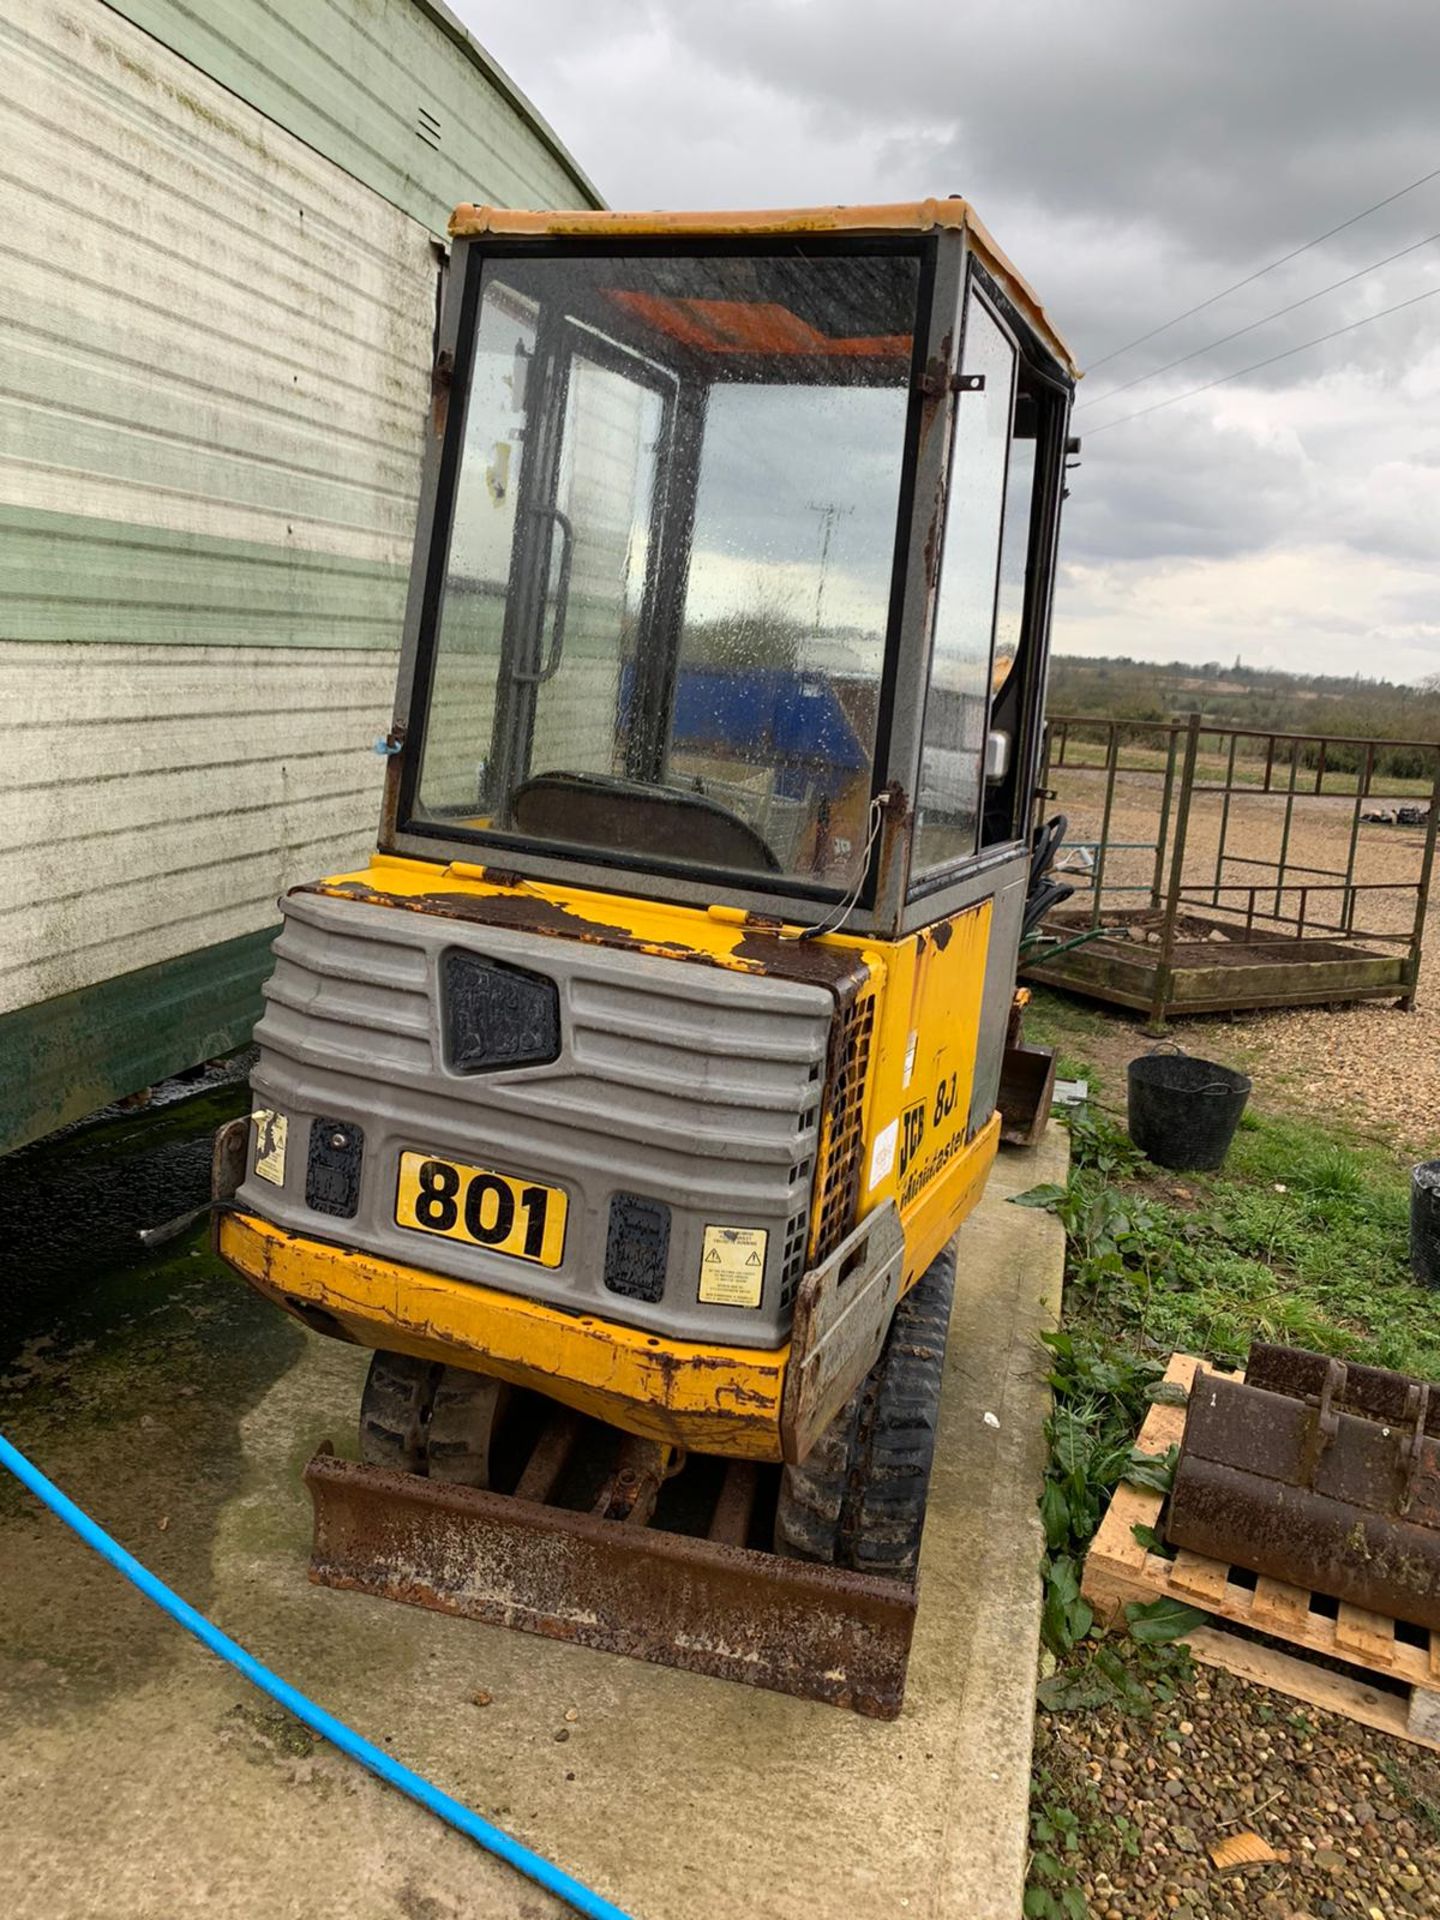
[{"x": 72, "y": 1206}]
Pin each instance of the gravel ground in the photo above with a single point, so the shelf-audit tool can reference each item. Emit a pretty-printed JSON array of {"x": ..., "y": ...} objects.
[
  {"x": 1354, "y": 1815},
  {"x": 1367, "y": 1062}
]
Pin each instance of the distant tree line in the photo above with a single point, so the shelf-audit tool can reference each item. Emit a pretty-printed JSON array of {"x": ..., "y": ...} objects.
[{"x": 1259, "y": 697}]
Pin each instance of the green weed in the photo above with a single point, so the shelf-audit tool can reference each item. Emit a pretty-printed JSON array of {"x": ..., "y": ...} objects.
[{"x": 1426, "y": 1812}]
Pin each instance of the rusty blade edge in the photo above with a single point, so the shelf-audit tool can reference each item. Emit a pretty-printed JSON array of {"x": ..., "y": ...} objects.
[
  {"x": 1307, "y": 1540},
  {"x": 816, "y": 1632}
]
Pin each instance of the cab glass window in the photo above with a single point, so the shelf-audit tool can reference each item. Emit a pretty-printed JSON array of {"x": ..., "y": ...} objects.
[
  {"x": 665, "y": 609},
  {"x": 963, "y": 656}
]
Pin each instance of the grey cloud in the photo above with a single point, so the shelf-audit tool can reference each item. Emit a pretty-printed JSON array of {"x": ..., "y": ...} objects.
[{"x": 1133, "y": 158}]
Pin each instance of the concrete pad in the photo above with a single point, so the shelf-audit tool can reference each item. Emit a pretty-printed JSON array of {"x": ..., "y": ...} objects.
[{"x": 140, "y": 1777}]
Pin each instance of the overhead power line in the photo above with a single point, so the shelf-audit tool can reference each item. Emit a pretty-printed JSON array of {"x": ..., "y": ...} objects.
[
  {"x": 1260, "y": 272},
  {"x": 1099, "y": 399},
  {"x": 1255, "y": 367}
]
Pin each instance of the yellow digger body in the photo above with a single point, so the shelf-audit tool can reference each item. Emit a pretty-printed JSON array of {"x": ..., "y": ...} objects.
[{"x": 654, "y": 1057}]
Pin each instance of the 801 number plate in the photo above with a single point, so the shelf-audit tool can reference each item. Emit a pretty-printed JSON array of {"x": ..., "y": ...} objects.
[{"x": 486, "y": 1209}]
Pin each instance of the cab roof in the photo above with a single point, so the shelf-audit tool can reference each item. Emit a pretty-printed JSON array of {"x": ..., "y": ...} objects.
[{"x": 909, "y": 216}]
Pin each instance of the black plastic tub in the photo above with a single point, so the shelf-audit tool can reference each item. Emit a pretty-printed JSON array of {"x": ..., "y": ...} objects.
[
  {"x": 1183, "y": 1112},
  {"x": 1425, "y": 1223}
]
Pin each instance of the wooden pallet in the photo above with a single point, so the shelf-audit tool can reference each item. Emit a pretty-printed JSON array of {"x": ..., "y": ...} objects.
[{"x": 1119, "y": 1570}]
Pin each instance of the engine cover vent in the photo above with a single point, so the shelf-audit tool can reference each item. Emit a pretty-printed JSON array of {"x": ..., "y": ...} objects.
[
  {"x": 496, "y": 1016},
  {"x": 637, "y": 1247}
]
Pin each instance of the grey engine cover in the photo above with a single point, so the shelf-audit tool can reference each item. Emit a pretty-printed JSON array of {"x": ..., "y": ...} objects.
[{"x": 677, "y": 1081}]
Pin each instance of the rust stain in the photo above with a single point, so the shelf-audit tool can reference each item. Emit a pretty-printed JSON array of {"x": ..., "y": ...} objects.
[
  {"x": 937, "y": 376},
  {"x": 809, "y": 961},
  {"x": 760, "y": 950},
  {"x": 739, "y": 1398},
  {"x": 896, "y": 826},
  {"x": 622, "y": 1585},
  {"x": 441, "y": 381},
  {"x": 524, "y": 913}
]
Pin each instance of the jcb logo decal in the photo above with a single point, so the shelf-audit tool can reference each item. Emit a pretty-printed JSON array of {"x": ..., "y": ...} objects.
[{"x": 913, "y": 1125}]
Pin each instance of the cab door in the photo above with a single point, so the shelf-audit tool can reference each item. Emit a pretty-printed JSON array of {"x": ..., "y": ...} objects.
[
  {"x": 581, "y": 571},
  {"x": 989, "y": 651}
]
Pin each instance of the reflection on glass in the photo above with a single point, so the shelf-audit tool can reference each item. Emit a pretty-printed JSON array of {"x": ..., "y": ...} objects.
[
  {"x": 958, "y": 701},
  {"x": 664, "y": 619},
  {"x": 1014, "y": 553}
]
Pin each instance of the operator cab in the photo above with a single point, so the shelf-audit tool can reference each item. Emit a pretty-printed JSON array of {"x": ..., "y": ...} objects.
[{"x": 684, "y": 630}]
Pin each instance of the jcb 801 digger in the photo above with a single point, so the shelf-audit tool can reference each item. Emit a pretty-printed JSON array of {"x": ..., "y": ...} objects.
[{"x": 652, "y": 1062}]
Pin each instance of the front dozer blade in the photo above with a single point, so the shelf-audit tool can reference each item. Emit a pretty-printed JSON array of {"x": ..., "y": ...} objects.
[
  {"x": 1318, "y": 1474},
  {"x": 704, "y": 1604}
]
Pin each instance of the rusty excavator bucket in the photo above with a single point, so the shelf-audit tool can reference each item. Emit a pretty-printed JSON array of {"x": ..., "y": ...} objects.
[
  {"x": 609, "y": 1571},
  {"x": 1317, "y": 1473}
]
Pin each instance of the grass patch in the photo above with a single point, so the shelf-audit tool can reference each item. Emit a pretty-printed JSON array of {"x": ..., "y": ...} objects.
[
  {"x": 1303, "y": 1238},
  {"x": 1063, "y": 1024}
]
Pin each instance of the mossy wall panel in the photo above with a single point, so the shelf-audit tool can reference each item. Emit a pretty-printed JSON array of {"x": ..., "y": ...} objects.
[
  {"x": 219, "y": 227},
  {"x": 158, "y": 799},
  {"x": 64, "y": 1058},
  {"x": 394, "y": 91},
  {"x": 208, "y": 329}
]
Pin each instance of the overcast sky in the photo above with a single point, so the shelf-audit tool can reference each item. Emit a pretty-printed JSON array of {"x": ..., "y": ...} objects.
[{"x": 1133, "y": 159}]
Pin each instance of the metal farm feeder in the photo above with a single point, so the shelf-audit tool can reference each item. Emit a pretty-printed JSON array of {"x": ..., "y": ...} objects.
[{"x": 1181, "y": 922}]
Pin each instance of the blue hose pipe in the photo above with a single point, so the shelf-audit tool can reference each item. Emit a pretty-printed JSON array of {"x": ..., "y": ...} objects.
[{"x": 533, "y": 1865}]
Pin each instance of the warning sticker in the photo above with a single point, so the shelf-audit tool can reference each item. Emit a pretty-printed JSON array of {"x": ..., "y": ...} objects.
[
  {"x": 270, "y": 1131},
  {"x": 732, "y": 1266},
  {"x": 882, "y": 1154}
]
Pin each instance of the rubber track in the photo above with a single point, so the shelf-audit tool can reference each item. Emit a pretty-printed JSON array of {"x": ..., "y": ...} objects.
[
  {"x": 883, "y": 1515},
  {"x": 859, "y": 1498},
  {"x": 807, "y": 1514},
  {"x": 395, "y": 1411}
]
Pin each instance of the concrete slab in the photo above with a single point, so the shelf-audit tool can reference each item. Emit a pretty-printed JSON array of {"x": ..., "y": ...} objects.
[{"x": 140, "y": 1777}]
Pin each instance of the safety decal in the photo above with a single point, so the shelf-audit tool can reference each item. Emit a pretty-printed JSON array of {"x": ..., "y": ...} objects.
[
  {"x": 882, "y": 1154},
  {"x": 732, "y": 1266},
  {"x": 270, "y": 1131}
]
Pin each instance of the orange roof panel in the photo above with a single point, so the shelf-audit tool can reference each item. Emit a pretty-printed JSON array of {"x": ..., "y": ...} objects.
[
  {"x": 911, "y": 216},
  {"x": 739, "y": 326}
]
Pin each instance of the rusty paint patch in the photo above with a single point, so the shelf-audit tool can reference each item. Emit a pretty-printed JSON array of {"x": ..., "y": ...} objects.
[
  {"x": 809, "y": 961},
  {"x": 897, "y": 822},
  {"x": 523, "y": 912},
  {"x": 758, "y": 950}
]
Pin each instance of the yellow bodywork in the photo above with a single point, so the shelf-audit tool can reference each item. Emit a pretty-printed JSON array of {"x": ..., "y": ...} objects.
[
  {"x": 714, "y": 1399},
  {"x": 924, "y": 993}
]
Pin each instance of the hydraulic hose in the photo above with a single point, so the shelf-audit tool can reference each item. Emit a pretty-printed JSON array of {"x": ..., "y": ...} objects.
[{"x": 533, "y": 1865}]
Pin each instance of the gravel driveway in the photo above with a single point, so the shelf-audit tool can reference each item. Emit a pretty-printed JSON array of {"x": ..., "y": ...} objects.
[{"x": 1354, "y": 1815}]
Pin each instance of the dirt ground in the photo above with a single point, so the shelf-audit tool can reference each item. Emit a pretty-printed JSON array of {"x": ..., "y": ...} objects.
[{"x": 1368, "y": 1063}]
